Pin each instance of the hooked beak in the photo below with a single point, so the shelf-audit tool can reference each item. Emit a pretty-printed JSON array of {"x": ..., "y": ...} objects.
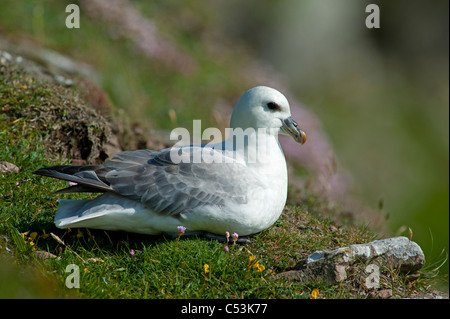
[{"x": 290, "y": 127}]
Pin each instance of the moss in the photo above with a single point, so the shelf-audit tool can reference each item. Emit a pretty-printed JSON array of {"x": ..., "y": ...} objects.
[{"x": 59, "y": 114}]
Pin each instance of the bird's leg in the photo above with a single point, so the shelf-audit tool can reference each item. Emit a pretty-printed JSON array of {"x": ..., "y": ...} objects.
[
  {"x": 212, "y": 236},
  {"x": 223, "y": 239}
]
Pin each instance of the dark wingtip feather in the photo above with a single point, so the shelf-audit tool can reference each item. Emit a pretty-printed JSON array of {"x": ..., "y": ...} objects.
[
  {"x": 78, "y": 189},
  {"x": 54, "y": 171},
  {"x": 77, "y": 174},
  {"x": 46, "y": 171}
]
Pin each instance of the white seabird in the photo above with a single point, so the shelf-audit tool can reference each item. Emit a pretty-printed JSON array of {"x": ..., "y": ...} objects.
[{"x": 243, "y": 190}]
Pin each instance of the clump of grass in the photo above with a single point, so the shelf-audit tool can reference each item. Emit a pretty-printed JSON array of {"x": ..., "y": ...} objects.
[{"x": 57, "y": 114}]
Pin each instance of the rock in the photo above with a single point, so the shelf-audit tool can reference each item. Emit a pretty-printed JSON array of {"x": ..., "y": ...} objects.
[
  {"x": 381, "y": 294},
  {"x": 6, "y": 167},
  {"x": 42, "y": 254},
  {"x": 385, "y": 293},
  {"x": 332, "y": 265},
  {"x": 340, "y": 273},
  {"x": 400, "y": 251}
]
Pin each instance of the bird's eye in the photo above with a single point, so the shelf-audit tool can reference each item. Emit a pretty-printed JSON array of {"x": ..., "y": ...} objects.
[{"x": 273, "y": 106}]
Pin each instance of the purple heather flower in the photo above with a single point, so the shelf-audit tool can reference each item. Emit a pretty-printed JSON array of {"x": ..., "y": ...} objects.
[{"x": 181, "y": 230}]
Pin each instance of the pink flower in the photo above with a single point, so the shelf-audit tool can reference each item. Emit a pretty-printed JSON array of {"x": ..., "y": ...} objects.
[
  {"x": 235, "y": 237},
  {"x": 226, "y": 249},
  {"x": 181, "y": 230},
  {"x": 132, "y": 252}
]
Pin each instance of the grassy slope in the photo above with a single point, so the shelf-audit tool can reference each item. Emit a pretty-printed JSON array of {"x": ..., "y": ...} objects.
[
  {"x": 123, "y": 265},
  {"x": 159, "y": 268}
]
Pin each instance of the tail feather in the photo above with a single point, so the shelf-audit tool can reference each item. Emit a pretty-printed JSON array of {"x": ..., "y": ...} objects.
[
  {"x": 69, "y": 210},
  {"x": 82, "y": 213},
  {"x": 108, "y": 211}
]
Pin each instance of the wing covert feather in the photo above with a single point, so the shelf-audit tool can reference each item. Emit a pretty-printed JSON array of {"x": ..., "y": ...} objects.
[{"x": 170, "y": 188}]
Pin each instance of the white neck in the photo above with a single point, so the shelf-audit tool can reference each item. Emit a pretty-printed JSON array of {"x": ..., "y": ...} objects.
[{"x": 255, "y": 147}]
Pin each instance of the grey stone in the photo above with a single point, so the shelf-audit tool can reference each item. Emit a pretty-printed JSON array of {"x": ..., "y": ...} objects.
[
  {"x": 6, "y": 167},
  {"x": 332, "y": 265}
]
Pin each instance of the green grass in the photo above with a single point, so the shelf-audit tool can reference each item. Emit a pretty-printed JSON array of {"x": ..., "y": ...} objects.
[
  {"x": 125, "y": 265},
  {"x": 159, "y": 267}
]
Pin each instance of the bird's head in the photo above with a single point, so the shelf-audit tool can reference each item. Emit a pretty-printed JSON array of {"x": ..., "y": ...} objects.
[{"x": 264, "y": 107}]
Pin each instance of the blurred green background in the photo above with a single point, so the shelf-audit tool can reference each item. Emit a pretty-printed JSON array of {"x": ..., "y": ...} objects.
[{"x": 381, "y": 94}]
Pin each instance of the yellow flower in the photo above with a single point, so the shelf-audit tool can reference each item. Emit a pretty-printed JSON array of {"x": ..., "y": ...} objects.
[
  {"x": 206, "y": 268},
  {"x": 254, "y": 263},
  {"x": 251, "y": 260},
  {"x": 314, "y": 293}
]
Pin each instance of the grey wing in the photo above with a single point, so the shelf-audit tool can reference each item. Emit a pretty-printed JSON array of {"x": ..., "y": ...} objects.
[
  {"x": 91, "y": 178},
  {"x": 170, "y": 188}
]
